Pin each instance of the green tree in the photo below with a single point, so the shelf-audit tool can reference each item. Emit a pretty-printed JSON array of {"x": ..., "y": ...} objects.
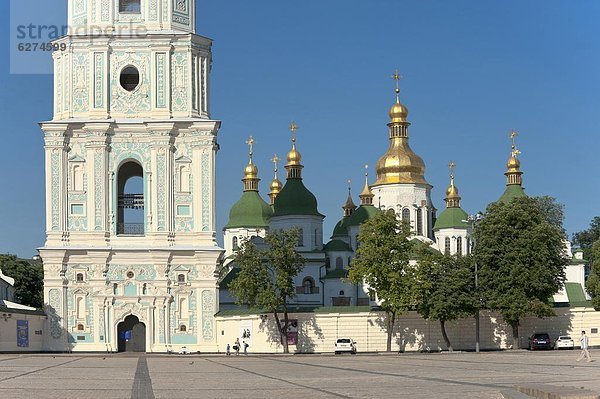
[
  {"x": 382, "y": 262},
  {"x": 29, "y": 279},
  {"x": 266, "y": 276},
  {"x": 554, "y": 211},
  {"x": 585, "y": 239},
  {"x": 447, "y": 288},
  {"x": 522, "y": 260},
  {"x": 593, "y": 282}
]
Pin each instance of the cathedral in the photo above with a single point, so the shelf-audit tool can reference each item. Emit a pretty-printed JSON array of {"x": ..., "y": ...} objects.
[{"x": 400, "y": 185}]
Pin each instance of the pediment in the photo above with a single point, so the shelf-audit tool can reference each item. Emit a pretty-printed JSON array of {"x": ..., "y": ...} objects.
[
  {"x": 76, "y": 158},
  {"x": 183, "y": 159}
]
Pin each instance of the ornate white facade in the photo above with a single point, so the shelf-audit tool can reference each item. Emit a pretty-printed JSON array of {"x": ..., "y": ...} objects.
[{"x": 130, "y": 182}]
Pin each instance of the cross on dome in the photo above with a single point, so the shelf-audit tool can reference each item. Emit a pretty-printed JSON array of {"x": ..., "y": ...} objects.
[
  {"x": 250, "y": 143},
  {"x": 396, "y": 76},
  {"x": 293, "y": 129}
]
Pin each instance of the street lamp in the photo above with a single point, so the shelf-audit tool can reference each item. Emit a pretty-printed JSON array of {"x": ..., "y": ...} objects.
[{"x": 473, "y": 220}]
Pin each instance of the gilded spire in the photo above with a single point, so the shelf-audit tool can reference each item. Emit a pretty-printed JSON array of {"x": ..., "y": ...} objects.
[
  {"x": 452, "y": 197},
  {"x": 398, "y": 112},
  {"x": 349, "y": 206},
  {"x": 294, "y": 167},
  {"x": 275, "y": 184},
  {"x": 366, "y": 197},
  {"x": 513, "y": 173},
  {"x": 250, "y": 171}
]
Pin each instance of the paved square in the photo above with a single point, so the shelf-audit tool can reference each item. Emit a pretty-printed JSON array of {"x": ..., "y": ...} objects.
[{"x": 441, "y": 375}]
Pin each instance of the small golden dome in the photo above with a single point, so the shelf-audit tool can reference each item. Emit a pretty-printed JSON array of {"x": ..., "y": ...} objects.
[
  {"x": 276, "y": 186},
  {"x": 294, "y": 157},
  {"x": 251, "y": 171},
  {"x": 452, "y": 191},
  {"x": 513, "y": 164},
  {"x": 398, "y": 112}
]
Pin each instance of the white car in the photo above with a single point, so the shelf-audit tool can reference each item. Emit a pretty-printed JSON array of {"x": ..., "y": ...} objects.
[
  {"x": 184, "y": 351},
  {"x": 564, "y": 342},
  {"x": 345, "y": 345}
]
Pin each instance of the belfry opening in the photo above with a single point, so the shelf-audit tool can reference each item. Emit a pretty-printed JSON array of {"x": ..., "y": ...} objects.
[{"x": 130, "y": 184}]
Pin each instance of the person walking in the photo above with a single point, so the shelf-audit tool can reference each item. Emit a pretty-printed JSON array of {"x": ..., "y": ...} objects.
[
  {"x": 245, "y": 347},
  {"x": 236, "y": 346},
  {"x": 228, "y": 350},
  {"x": 584, "y": 347}
]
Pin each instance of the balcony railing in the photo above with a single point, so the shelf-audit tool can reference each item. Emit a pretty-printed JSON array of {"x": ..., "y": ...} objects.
[
  {"x": 131, "y": 229},
  {"x": 131, "y": 201}
]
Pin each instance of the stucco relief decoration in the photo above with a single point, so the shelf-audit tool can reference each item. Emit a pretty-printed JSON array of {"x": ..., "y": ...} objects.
[
  {"x": 80, "y": 86},
  {"x": 137, "y": 100},
  {"x": 55, "y": 193},
  {"x": 136, "y": 150},
  {"x": 161, "y": 326},
  {"x": 54, "y": 302},
  {"x": 98, "y": 189},
  {"x": 105, "y": 10},
  {"x": 59, "y": 83},
  {"x": 122, "y": 310},
  {"x": 161, "y": 81},
  {"x": 205, "y": 192},
  {"x": 101, "y": 323},
  {"x": 79, "y": 12},
  {"x": 203, "y": 83},
  {"x": 161, "y": 186},
  {"x": 208, "y": 310},
  {"x": 98, "y": 80},
  {"x": 153, "y": 13},
  {"x": 179, "y": 78}
]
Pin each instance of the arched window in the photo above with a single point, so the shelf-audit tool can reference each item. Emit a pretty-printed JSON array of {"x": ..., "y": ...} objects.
[
  {"x": 327, "y": 262},
  {"x": 144, "y": 289},
  {"x": 234, "y": 243},
  {"x": 468, "y": 245},
  {"x": 406, "y": 215},
  {"x": 130, "y": 6},
  {"x": 349, "y": 260},
  {"x": 79, "y": 277},
  {"x": 80, "y": 327},
  {"x": 130, "y": 186},
  {"x": 342, "y": 293},
  {"x": 80, "y": 307},
  {"x": 182, "y": 328},
  {"x": 184, "y": 310},
  {"x": 419, "y": 222},
  {"x": 447, "y": 246},
  {"x": 184, "y": 179},
  {"x": 309, "y": 285},
  {"x": 458, "y": 246},
  {"x": 77, "y": 184},
  {"x": 339, "y": 263},
  {"x": 301, "y": 237},
  {"x": 316, "y": 238},
  {"x": 181, "y": 278},
  {"x": 115, "y": 288}
]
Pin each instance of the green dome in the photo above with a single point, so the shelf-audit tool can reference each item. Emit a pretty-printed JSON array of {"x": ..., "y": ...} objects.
[
  {"x": 337, "y": 245},
  {"x": 512, "y": 191},
  {"x": 250, "y": 211},
  {"x": 362, "y": 214},
  {"x": 452, "y": 218},
  {"x": 341, "y": 228},
  {"x": 295, "y": 199}
]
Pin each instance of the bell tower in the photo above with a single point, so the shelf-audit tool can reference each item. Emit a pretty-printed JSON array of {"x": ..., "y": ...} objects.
[{"x": 130, "y": 180}]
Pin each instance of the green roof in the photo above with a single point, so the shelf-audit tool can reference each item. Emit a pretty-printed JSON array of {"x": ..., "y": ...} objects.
[
  {"x": 575, "y": 294},
  {"x": 250, "y": 211},
  {"x": 341, "y": 228},
  {"x": 361, "y": 215},
  {"x": 335, "y": 274},
  {"x": 295, "y": 199},
  {"x": 233, "y": 273},
  {"x": 452, "y": 218},
  {"x": 337, "y": 245},
  {"x": 512, "y": 191}
]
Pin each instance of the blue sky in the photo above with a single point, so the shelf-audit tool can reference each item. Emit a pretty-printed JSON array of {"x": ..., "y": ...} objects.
[{"x": 472, "y": 72}]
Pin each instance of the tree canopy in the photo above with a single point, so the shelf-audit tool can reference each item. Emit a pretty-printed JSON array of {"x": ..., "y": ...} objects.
[
  {"x": 585, "y": 239},
  {"x": 447, "y": 288},
  {"x": 522, "y": 260},
  {"x": 382, "y": 263},
  {"x": 593, "y": 281},
  {"x": 29, "y": 279},
  {"x": 266, "y": 276}
]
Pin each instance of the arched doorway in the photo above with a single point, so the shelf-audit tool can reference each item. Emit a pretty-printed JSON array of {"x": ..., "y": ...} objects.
[
  {"x": 130, "y": 188},
  {"x": 132, "y": 335}
]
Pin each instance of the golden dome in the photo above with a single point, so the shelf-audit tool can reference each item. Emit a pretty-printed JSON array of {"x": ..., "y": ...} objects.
[
  {"x": 250, "y": 171},
  {"x": 398, "y": 112},
  {"x": 452, "y": 191},
  {"x": 400, "y": 164},
  {"x": 276, "y": 186},
  {"x": 294, "y": 157},
  {"x": 513, "y": 164}
]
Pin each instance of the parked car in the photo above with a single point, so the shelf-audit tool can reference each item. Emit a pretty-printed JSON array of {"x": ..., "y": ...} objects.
[
  {"x": 184, "y": 351},
  {"x": 564, "y": 342},
  {"x": 540, "y": 341},
  {"x": 345, "y": 345}
]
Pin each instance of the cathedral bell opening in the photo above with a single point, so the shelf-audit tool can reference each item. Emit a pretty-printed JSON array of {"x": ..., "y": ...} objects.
[
  {"x": 130, "y": 215},
  {"x": 132, "y": 335}
]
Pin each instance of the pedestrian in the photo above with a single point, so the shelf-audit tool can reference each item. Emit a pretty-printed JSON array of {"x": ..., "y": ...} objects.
[
  {"x": 236, "y": 346},
  {"x": 228, "y": 350},
  {"x": 245, "y": 347},
  {"x": 584, "y": 347}
]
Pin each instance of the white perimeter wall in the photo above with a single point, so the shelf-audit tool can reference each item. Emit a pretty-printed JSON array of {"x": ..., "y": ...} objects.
[
  {"x": 318, "y": 332},
  {"x": 8, "y": 332}
]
